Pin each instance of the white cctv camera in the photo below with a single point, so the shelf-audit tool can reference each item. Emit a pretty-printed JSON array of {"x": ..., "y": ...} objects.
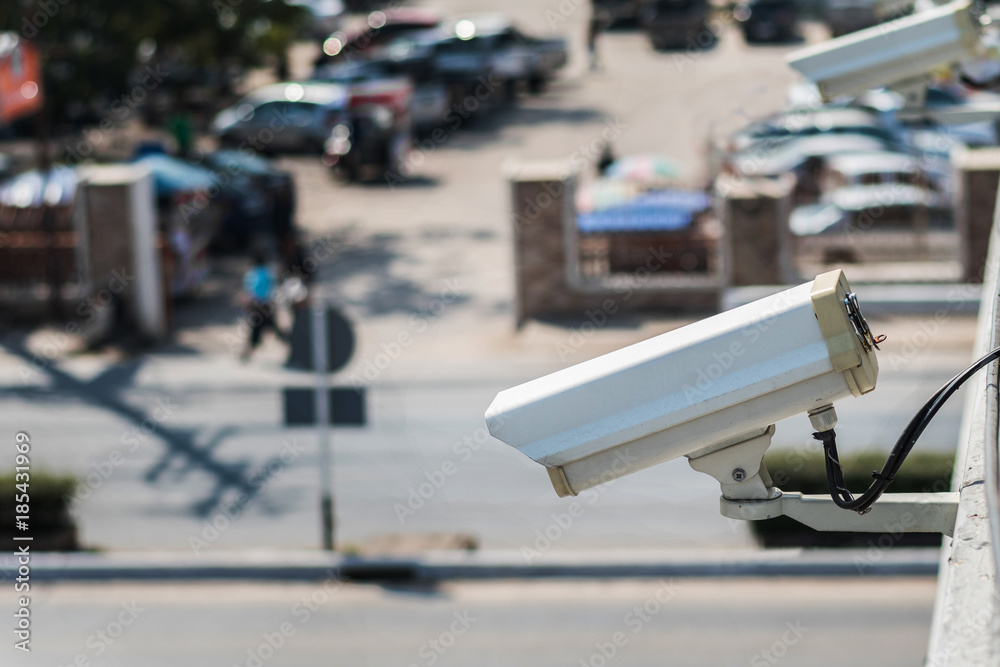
[
  {"x": 897, "y": 54},
  {"x": 710, "y": 391}
]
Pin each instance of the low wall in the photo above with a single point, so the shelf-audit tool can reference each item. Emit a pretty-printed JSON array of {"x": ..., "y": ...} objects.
[
  {"x": 976, "y": 176},
  {"x": 966, "y": 627},
  {"x": 546, "y": 250}
]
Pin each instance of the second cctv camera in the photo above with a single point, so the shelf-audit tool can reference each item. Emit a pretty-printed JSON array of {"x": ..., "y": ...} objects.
[
  {"x": 894, "y": 54},
  {"x": 696, "y": 391}
]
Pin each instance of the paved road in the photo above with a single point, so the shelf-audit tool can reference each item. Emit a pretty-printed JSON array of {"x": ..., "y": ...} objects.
[{"x": 648, "y": 622}]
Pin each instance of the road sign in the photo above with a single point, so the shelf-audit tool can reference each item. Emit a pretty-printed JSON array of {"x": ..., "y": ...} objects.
[
  {"x": 346, "y": 406},
  {"x": 340, "y": 342}
]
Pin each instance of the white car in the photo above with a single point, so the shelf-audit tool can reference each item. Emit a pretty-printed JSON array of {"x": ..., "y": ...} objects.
[{"x": 293, "y": 116}]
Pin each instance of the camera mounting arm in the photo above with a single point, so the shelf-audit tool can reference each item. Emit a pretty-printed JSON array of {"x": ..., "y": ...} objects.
[
  {"x": 748, "y": 492},
  {"x": 893, "y": 513}
]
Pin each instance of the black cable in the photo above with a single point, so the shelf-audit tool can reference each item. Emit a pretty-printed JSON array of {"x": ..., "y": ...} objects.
[
  {"x": 907, "y": 439},
  {"x": 969, "y": 82}
]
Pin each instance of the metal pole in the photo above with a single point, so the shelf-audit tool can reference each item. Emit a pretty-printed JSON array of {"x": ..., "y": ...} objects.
[
  {"x": 46, "y": 221},
  {"x": 323, "y": 434}
]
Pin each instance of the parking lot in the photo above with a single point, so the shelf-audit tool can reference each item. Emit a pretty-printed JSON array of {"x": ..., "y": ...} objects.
[{"x": 450, "y": 217}]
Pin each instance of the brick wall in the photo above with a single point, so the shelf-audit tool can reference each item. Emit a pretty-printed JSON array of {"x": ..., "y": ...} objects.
[
  {"x": 977, "y": 175},
  {"x": 545, "y": 251},
  {"x": 756, "y": 240}
]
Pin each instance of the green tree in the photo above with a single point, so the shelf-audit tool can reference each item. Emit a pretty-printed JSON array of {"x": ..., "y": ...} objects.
[{"x": 96, "y": 50}]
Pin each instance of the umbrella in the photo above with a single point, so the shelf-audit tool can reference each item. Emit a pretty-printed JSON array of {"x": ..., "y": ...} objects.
[
  {"x": 172, "y": 175},
  {"x": 660, "y": 211},
  {"x": 643, "y": 168}
]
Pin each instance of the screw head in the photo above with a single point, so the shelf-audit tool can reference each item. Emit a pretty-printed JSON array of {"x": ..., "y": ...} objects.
[{"x": 739, "y": 474}]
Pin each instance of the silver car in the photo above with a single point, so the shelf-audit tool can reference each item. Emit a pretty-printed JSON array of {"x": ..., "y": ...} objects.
[{"x": 293, "y": 116}]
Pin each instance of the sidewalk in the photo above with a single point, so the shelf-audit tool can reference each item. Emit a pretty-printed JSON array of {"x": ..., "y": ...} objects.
[{"x": 464, "y": 345}]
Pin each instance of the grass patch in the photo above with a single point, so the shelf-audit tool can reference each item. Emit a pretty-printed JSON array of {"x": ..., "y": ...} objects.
[{"x": 50, "y": 524}]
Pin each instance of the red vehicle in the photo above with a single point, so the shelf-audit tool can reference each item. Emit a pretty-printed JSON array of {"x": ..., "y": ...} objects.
[
  {"x": 382, "y": 27},
  {"x": 376, "y": 132}
]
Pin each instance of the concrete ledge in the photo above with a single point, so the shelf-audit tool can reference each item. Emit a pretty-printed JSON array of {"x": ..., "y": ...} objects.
[
  {"x": 965, "y": 629},
  {"x": 445, "y": 566}
]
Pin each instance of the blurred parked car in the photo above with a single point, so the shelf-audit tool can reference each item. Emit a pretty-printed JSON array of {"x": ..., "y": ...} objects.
[
  {"x": 976, "y": 134},
  {"x": 813, "y": 122},
  {"x": 973, "y": 115},
  {"x": 490, "y": 46},
  {"x": 877, "y": 208},
  {"x": 429, "y": 99},
  {"x": 792, "y": 155},
  {"x": 294, "y": 116},
  {"x": 436, "y": 89},
  {"x": 375, "y": 134},
  {"x": 805, "y": 157},
  {"x": 848, "y": 171},
  {"x": 872, "y": 168},
  {"x": 677, "y": 24},
  {"x": 767, "y": 20},
  {"x": 381, "y": 28},
  {"x": 617, "y": 11},
  {"x": 259, "y": 198}
]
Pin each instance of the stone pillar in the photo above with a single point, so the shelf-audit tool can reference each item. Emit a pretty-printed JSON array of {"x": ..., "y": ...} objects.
[
  {"x": 977, "y": 175},
  {"x": 118, "y": 228},
  {"x": 756, "y": 242},
  {"x": 544, "y": 238}
]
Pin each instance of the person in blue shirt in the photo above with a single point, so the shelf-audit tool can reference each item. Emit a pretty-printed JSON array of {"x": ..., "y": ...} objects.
[{"x": 259, "y": 287}]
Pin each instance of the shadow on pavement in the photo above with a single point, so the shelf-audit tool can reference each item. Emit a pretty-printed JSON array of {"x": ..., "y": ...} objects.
[
  {"x": 183, "y": 449},
  {"x": 372, "y": 258}
]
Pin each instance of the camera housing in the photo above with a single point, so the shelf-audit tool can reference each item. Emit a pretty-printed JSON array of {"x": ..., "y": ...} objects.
[
  {"x": 898, "y": 54},
  {"x": 694, "y": 391}
]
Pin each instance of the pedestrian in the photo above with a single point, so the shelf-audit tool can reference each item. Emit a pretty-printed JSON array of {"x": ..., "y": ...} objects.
[
  {"x": 594, "y": 29},
  {"x": 182, "y": 129},
  {"x": 606, "y": 159},
  {"x": 259, "y": 288}
]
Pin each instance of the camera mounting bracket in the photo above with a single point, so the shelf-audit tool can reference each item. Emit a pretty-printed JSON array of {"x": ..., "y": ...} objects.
[
  {"x": 739, "y": 466},
  {"x": 749, "y": 494}
]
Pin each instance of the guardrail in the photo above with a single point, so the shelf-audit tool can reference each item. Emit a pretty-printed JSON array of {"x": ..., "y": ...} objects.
[{"x": 965, "y": 630}]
